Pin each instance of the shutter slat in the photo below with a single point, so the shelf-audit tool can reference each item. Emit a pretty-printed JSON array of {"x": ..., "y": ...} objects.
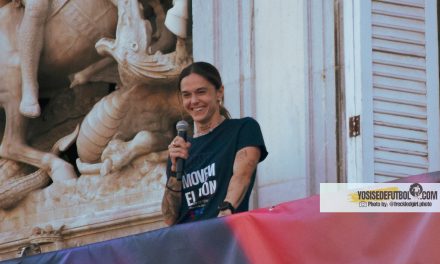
[
  {"x": 401, "y": 146},
  {"x": 401, "y": 126},
  {"x": 400, "y": 113},
  {"x": 398, "y": 48},
  {"x": 393, "y": 10},
  {"x": 397, "y": 60},
  {"x": 400, "y": 121},
  {"x": 411, "y": 3},
  {"x": 401, "y": 132},
  {"x": 409, "y": 73},
  {"x": 409, "y": 86},
  {"x": 401, "y": 139},
  {"x": 396, "y": 169},
  {"x": 393, "y": 95},
  {"x": 398, "y": 23},
  {"x": 399, "y": 101}
]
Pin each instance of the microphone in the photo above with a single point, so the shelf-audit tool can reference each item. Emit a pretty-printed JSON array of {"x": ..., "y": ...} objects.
[{"x": 182, "y": 127}]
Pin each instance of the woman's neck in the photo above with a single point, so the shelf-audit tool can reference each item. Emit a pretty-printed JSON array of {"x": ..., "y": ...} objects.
[{"x": 201, "y": 129}]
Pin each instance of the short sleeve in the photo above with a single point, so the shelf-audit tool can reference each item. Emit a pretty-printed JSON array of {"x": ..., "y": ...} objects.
[{"x": 250, "y": 136}]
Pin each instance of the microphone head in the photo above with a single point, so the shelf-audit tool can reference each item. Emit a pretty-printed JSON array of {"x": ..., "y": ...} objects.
[{"x": 182, "y": 125}]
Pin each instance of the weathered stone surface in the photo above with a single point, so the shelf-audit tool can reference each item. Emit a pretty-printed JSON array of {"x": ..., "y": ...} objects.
[{"x": 122, "y": 192}]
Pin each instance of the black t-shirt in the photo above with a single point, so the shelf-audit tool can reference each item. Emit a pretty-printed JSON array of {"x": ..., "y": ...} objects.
[{"x": 208, "y": 169}]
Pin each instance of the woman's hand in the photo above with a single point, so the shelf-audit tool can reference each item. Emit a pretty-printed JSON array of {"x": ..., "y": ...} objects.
[
  {"x": 224, "y": 213},
  {"x": 178, "y": 148}
]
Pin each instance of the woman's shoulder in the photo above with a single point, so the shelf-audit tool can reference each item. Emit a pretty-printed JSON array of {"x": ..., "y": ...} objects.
[
  {"x": 243, "y": 120},
  {"x": 241, "y": 125}
]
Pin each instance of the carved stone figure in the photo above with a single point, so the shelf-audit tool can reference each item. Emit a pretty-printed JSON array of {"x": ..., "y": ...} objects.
[
  {"x": 71, "y": 31},
  {"x": 30, "y": 37},
  {"x": 68, "y": 47},
  {"x": 120, "y": 142},
  {"x": 31, "y": 43}
]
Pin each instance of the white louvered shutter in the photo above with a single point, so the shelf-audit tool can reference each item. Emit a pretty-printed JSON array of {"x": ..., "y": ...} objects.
[{"x": 405, "y": 91}]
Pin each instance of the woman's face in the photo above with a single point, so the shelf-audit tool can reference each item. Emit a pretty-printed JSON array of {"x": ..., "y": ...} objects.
[{"x": 200, "y": 98}]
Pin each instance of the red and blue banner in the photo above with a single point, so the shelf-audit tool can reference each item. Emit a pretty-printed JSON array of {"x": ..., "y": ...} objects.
[{"x": 292, "y": 232}]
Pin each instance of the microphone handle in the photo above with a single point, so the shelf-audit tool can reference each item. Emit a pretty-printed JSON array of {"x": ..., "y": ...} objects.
[{"x": 180, "y": 162}]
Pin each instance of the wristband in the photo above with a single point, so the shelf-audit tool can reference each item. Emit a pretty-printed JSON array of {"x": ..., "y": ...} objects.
[
  {"x": 177, "y": 191},
  {"x": 169, "y": 188},
  {"x": 225, "y": 205}
]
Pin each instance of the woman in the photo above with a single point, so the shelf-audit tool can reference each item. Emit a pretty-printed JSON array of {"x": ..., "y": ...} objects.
[{"x": 221, "y": 157}]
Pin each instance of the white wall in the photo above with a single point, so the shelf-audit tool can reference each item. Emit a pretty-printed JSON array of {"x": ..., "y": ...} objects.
[
  {"x": 281, "y": 98},
  {"x": 263, "y": 49},
  {"x": 223, "y": 36}
]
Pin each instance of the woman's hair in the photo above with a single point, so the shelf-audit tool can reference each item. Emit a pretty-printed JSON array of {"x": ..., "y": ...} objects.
[{"x": 210, "y": 73}]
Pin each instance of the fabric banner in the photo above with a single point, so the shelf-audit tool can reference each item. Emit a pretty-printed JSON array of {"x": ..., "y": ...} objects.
[{"x": 292, "y": 232}]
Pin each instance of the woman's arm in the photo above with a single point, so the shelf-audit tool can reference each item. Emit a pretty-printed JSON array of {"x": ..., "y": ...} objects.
[
  {"x": 245, "y": 163},
  {"x": 171, "y": 201}
]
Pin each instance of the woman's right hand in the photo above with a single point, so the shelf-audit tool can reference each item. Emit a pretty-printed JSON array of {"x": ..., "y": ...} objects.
[{"x": 178, "y": 148}]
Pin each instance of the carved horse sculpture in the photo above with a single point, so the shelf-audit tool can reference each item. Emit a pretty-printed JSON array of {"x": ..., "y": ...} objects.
[
  {"x": 73, "y": 28},
  {"x": 68, "y": 47}
]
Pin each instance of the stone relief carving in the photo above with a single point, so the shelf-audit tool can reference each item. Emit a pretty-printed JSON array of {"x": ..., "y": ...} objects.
[
  {"x": 41, "y": 236},
  {"x": 137, "y": 119}
]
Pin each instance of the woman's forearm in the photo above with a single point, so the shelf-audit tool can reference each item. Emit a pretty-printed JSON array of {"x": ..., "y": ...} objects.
[{"x": 171, "y": 201}]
